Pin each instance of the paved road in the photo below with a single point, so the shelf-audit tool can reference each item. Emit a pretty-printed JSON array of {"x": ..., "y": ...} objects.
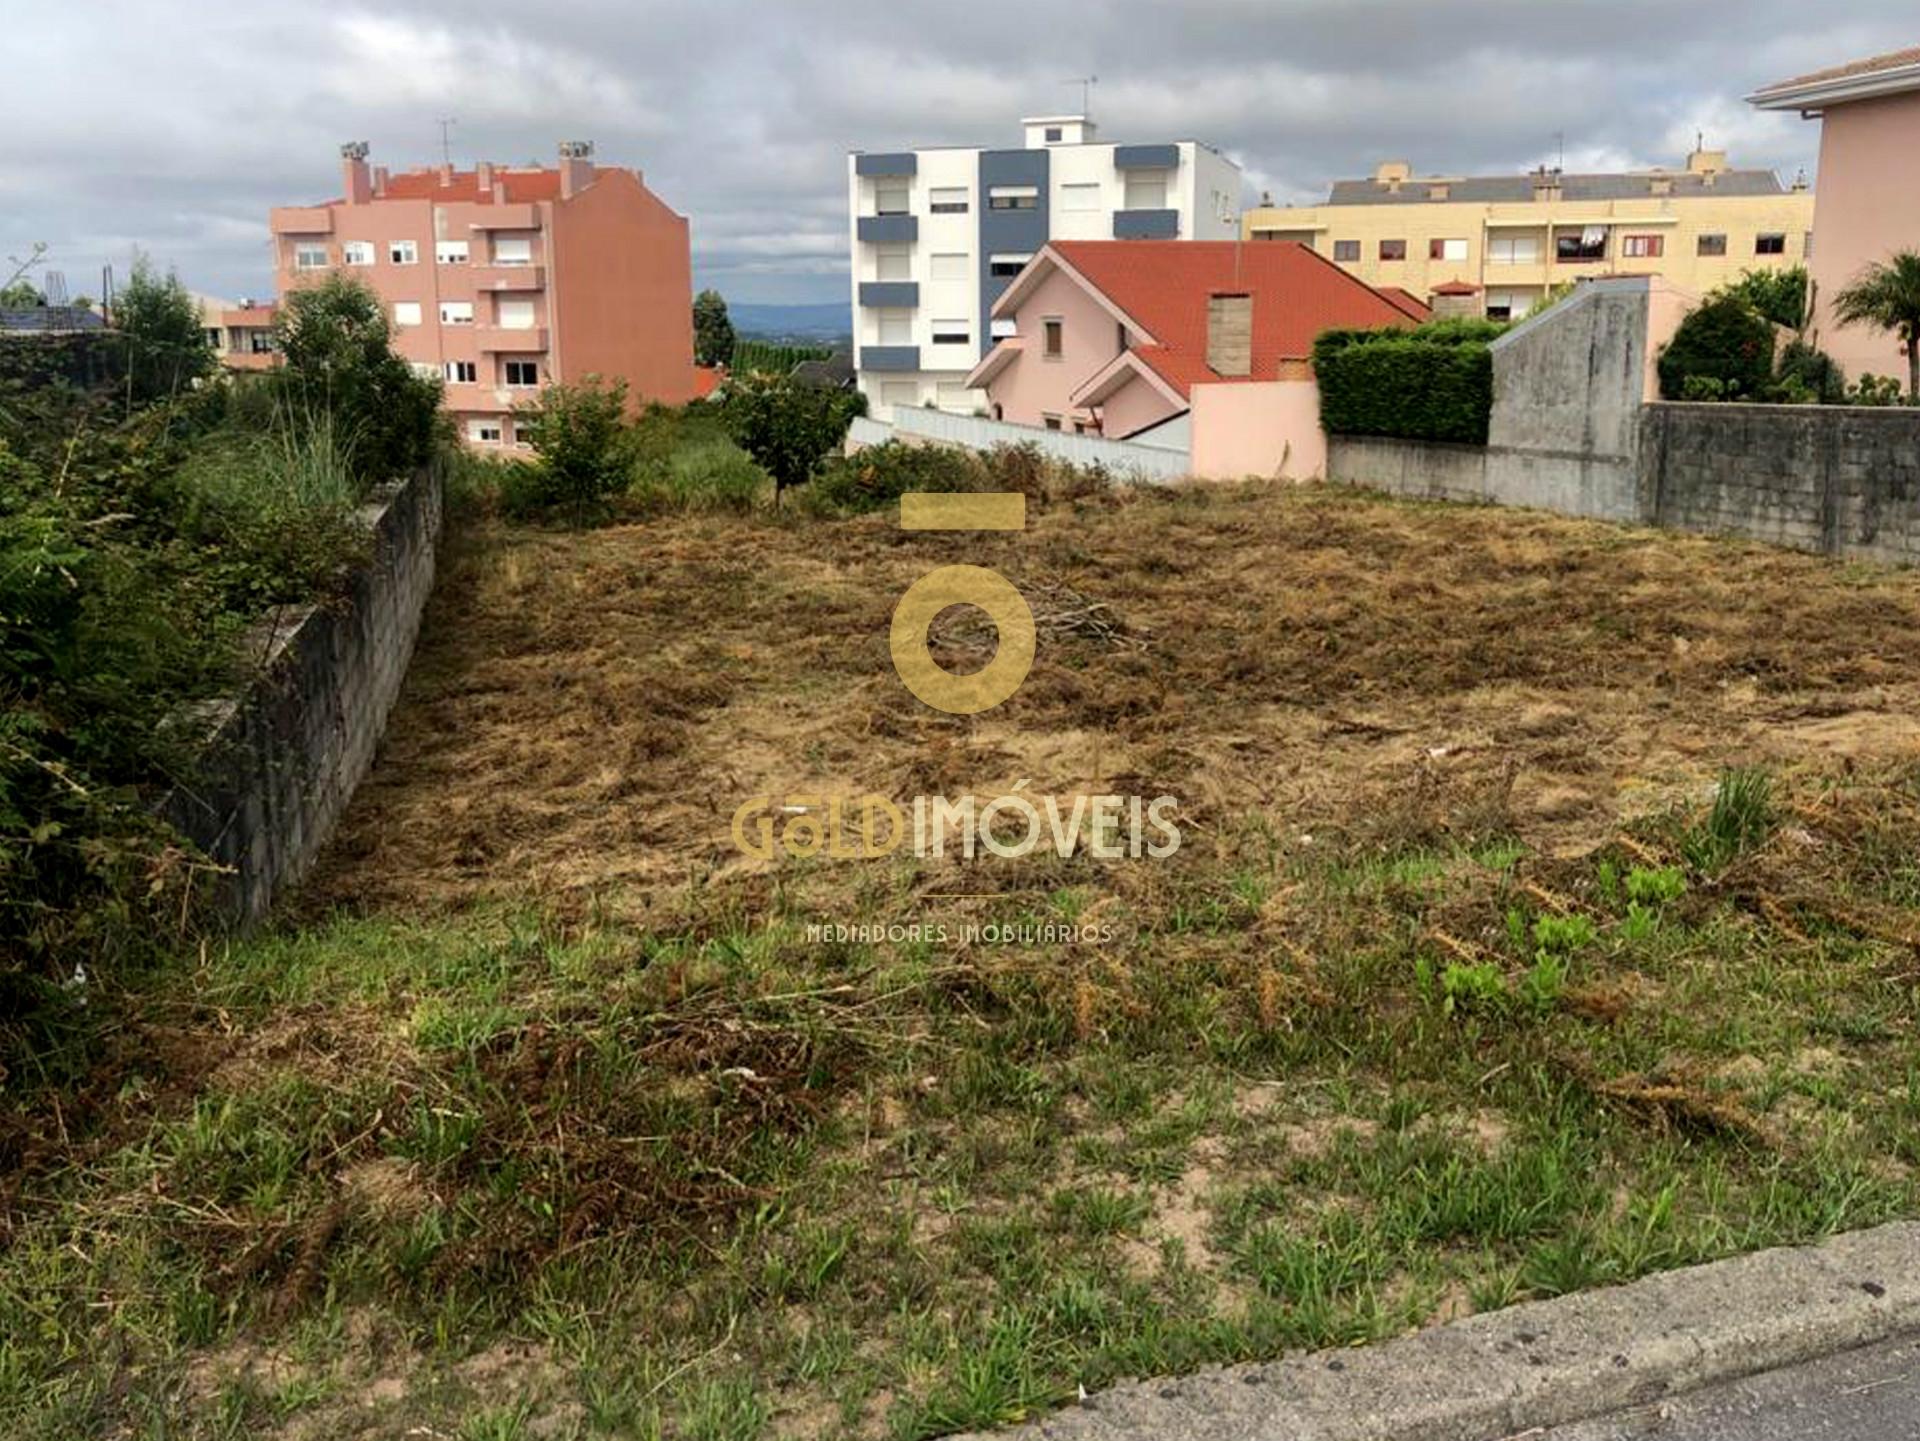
[{"x": 1872, "y": 1394}]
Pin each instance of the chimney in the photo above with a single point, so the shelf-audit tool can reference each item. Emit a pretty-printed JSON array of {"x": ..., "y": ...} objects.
[
  {"x": 379, "y": 180},
  {"x": 576, "y": 167},
  {"x": 1230, "y": 334},
  {"x": 483, "y": 178},
  {"x": 1546, "y": 183},
  {"x": 1660, "y": 183},
  {"x": 356, "y": 180},
  {"x": 446, "y": 172}
]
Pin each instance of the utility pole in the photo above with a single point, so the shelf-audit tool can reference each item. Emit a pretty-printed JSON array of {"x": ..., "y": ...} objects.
[
  {"x": 1086, "y": 84},
  {"x": 447, "y": 122}
]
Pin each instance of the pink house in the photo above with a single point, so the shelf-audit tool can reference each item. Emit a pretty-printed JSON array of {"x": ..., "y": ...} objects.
[
  {"x": 1867, "y": 205},
  {"x": 1199, "y": 343},
  {"x": 499, "y": 280}
]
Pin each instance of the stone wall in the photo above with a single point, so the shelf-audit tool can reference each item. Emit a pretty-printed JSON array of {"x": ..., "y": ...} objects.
[
  {"x": 1418, "y": 469},
  {"x": 1840, "y": 479},
  {"x": 284, "y": 756}
]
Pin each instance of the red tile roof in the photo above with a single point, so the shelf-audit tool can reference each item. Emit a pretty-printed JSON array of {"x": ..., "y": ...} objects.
[
  {"x": 1872, "y": 65},
  {"x": 1407, "y": 301},
  {"x": 1457, "y": 287},
  {"x": 706, "y": 380},
  {"x": 464, "y": 185},
  {"x": 1164, "y": 285}
]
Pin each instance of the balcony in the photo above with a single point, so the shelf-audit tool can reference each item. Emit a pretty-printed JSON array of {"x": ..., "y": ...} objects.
[
  {"x": 300, "y": 220},
  {"x": 1145, "y": 157},
  {"x": 901, "y": 163},
  {"x": 1146, "y": 225},
  {"x": 495, "y": 339},
  {"x": 888, "y": 229},
  {"x": 509, "y": 277},
  {"x": 892, "y": 294},
  {"x": 507, "y": 217},
  {"x": 890, "y": 357}
]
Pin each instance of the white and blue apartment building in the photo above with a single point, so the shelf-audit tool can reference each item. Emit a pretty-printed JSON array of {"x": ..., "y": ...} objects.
[{"x": 937, "y": 234}]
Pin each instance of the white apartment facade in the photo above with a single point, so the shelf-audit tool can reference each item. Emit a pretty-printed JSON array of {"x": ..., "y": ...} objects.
[{"x": 937, "y": 234}]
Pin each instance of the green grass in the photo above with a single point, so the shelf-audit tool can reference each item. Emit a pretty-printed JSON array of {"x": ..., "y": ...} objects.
[{"x": 503, "y": 1175}]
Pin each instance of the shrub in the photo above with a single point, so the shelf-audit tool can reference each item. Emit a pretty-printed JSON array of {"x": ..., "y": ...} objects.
[
  {"x": 1871, "y": 389},
  {"x": 1807, "y": 375},
  {"x": 710, "y": 474},
  {"x": 879, "y": 475},
  {"x": 789, "y": 429},
  {"x": 1433, "y": 383},
  {"x": 1724, "y": 339},
  {"x": 1780, "y": 295},
  {"x": 580, "y": 434}
]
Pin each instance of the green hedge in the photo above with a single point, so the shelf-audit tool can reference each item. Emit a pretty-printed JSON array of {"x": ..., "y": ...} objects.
[
  {"x": 1433, "y": 383},
  {"x": 758, "y": 357}
]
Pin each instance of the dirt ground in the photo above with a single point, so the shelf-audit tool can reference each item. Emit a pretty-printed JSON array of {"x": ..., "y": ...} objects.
[{"x": 587, "y": 710}]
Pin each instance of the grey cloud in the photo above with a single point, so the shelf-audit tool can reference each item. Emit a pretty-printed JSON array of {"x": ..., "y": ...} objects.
[{"x": 740, "y": 112}]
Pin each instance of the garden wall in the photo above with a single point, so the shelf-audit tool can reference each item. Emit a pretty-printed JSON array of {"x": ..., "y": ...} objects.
[{"x": 284, "y": 757}]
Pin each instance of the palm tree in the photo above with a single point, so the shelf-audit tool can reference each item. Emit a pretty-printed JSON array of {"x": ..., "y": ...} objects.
[{"x": 1888, "y": 296}]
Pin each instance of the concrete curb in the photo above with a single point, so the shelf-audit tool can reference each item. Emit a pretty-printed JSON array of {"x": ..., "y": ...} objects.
[{"x": 1545, "y": 1363}]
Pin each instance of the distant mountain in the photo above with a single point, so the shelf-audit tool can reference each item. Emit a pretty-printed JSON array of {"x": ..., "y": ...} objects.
[{"x": 793, "y": 322}]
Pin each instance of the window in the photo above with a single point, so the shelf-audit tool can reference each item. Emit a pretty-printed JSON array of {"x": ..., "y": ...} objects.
[
  {"x": 947, "y": 200},
  {"x": 896, "y": 327},
  {"x": 1393, "y": 250},
  {"x": 357, "y": 252},
  {"x": 456, "y": 312},
  {"x": 403, "y": 252},
  {"x": 1079, "y": 197},
  {"x": 512, "y": 250},
  {"x": 1438, "y": 249},
  {"x": 424, "y": 369},
  {"x": 309, "y": 257},
  {"x": 462, "y": 372},
  {"x": 954, "y": 399},
  {"x": 952, "y": 332},
  {"x": 523, "y": 372},
  {"x": 892, "y": 196},
  {"x": 1643, "y": 247},
  {"x": 1013, "y": 197},
  {"x": 950, "y": 265},
  {"x": 1710, "y": 245},
  {"x": 1007, "y": 264},
  {"x": 1146, "y": 190},
  {"x": 893, "y": 262},
  {"x": 1052, "y": 422},
  {"x": 1513, "y": 250},
  {"x": 260, "y": 342},
  {"x": 1508, "y": 304},
  {"x": 1770, "y": 244},
  {"x": 896, "y": 393},
  {"x": 514, "y": 314},
  {"x": 406, "y": 312},
  {"x": 486, "y": 429},
  {"x": 1053, "y": 134},
  {"x": 1587, "y": 243},
  {"x": 450, "y": 252},
  {"x": 1347, "y": 252},
  {"x": 1054, "y": 337}
]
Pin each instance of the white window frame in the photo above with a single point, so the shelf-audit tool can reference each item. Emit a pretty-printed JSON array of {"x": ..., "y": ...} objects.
[
  {"x": 893, "y": 195},
  {"x": 1513, "y": 250},
  {"x": 951, "y": 332},
  {"x": 1452, "y": 248},
  {"x": 507, "y": 368},
  {"x": 1148, "y": 190},
  {"x": 478, "y": 427},
  {"x": 356, "y": 252},
  {"x": 508, "y": 313},
  {"x": 452, "y": 252},
  {"x": 513, "y": 250},
  {"x": 403, "y": 252},
  {"x": 403, "y": 309},
  {"x": 1007, "y": 265},
  {"x": 950, "y": 265},
  {"x": 893, "y": 262},
  {"x": 895, "y": 325},
  {"x": 456, "y": 312},
  {"x": 304, "y": 252},
  {"x": 462, "y": 372},
  {"x": 1013, "y": 197},
  {"x": 949, "y": 200}
]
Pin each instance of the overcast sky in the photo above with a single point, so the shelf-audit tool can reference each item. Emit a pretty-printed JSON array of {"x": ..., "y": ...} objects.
[{"x": 175, "y": 126}]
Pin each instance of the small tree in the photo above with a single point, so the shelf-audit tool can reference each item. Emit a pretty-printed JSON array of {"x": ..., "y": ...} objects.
[
  {"x": 21, "y": 295},
  {"x": 165, "y": 343},
  {"x": 1725, "y": 340},
  {"x": 580, "y": 433},
  {"x": 1887, "y": 296},
  {"x": 1780, "y": 295},
  {"x": 338, "y": 362},
  {"x": 712, "y": 329},
  {"x": 789, "y": 429}
]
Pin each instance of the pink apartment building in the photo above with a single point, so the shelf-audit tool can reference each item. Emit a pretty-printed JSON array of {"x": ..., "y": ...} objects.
[
  {"x": 500, "y": 280},
  {"x": 1867, "y": 205}
]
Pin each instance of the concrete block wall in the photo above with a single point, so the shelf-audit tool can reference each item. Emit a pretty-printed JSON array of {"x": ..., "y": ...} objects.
[
  {"x": 1843, "y": 480},
  {"x": 284, "y": 756}
]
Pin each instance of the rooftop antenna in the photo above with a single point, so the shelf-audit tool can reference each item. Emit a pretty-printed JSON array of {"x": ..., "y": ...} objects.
[
  {"x": 447, "y": 122},
  {"x": 1086, "y": 84},
  {"x": 1560, "y": 149}
]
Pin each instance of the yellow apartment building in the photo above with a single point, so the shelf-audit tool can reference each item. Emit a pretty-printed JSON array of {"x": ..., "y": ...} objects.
[{"x": 1514, "y": 237}]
